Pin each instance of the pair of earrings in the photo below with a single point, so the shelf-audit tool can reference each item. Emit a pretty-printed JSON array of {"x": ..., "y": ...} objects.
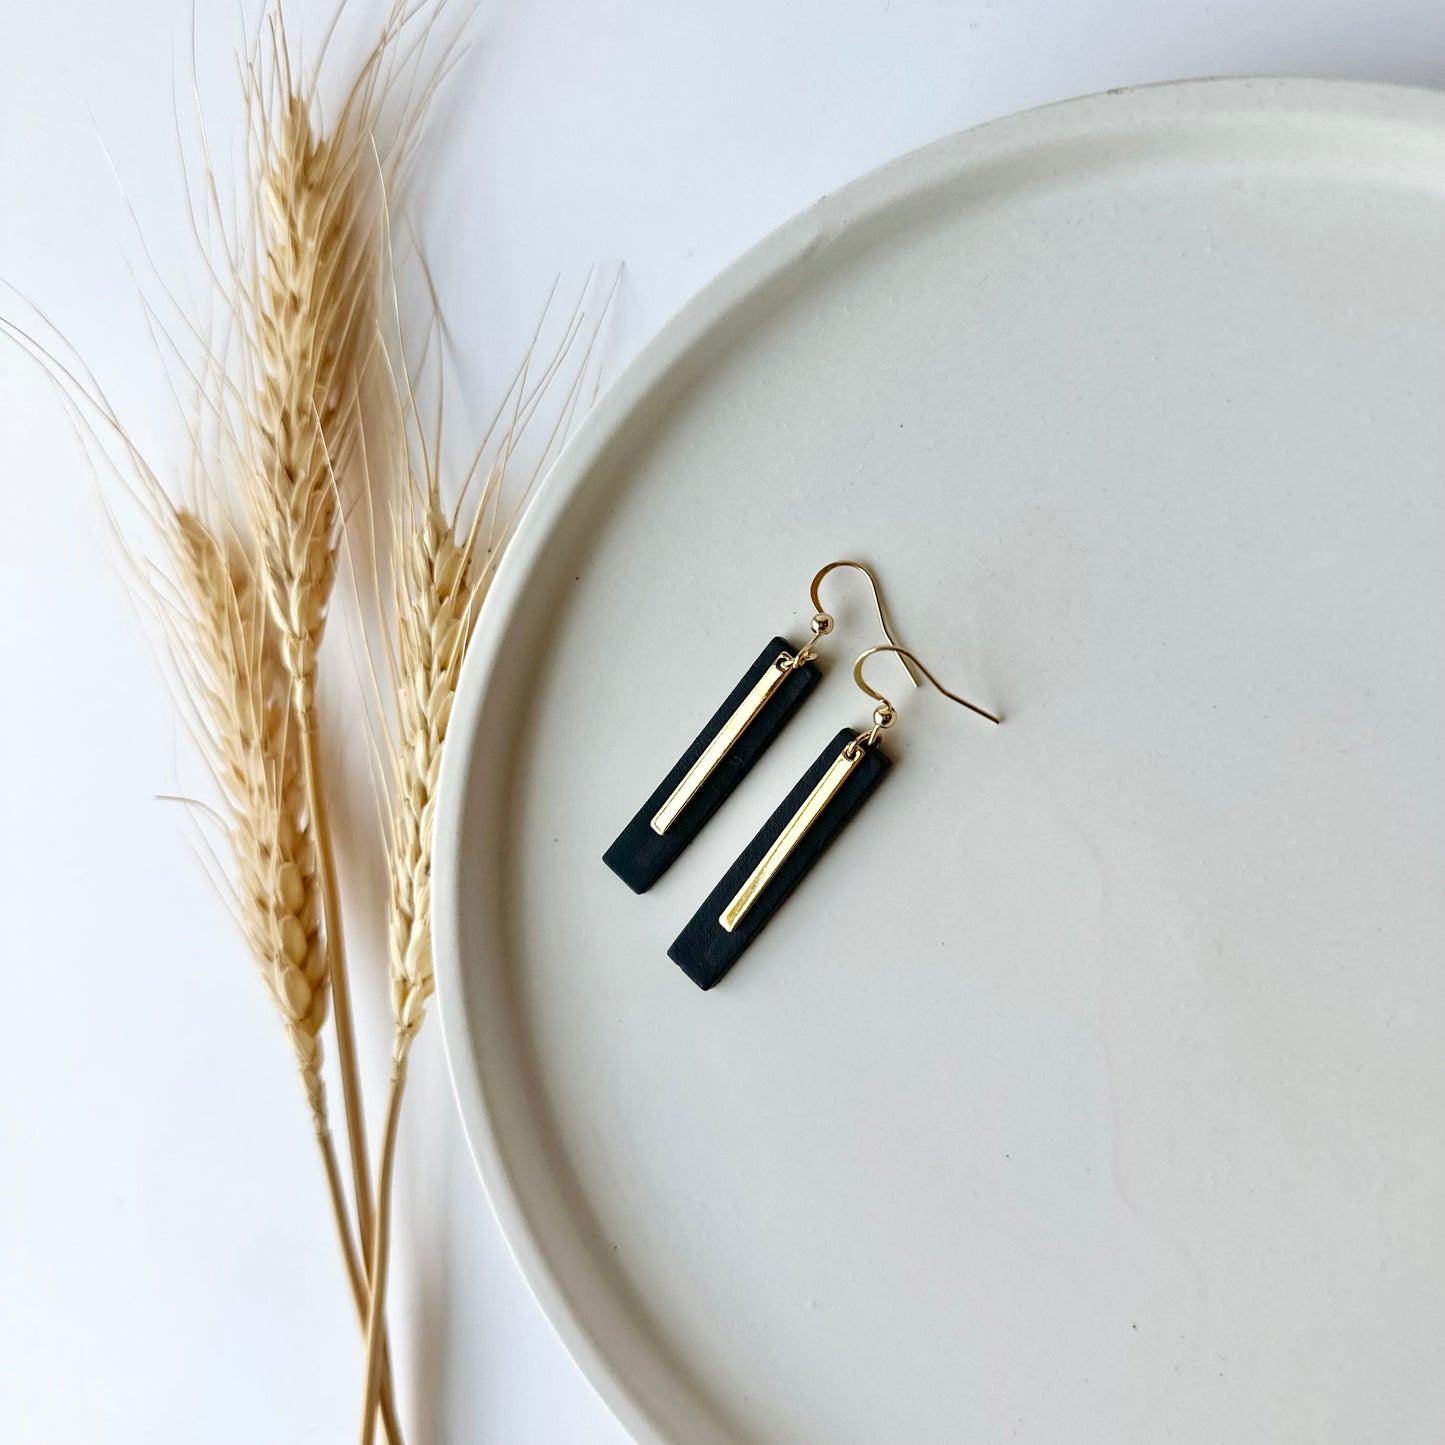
[{"x": 802, "y": 826}]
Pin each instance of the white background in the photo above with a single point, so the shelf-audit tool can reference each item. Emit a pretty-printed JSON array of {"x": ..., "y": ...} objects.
[{"x": 166, "y": 1267}]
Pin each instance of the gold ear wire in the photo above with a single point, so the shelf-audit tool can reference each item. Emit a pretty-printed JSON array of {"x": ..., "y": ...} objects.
[
  {"x": 822, "y": 623},
  {"x": 885, "y": 714}
]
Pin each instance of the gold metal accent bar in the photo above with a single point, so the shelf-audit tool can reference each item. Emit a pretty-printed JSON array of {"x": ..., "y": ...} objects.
[
  {"x": 792, "y": 835},
  {"x": 719, "y": 747}
]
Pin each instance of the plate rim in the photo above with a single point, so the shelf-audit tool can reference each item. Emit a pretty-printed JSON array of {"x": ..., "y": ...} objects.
[{"x": 1092, "y": 115}]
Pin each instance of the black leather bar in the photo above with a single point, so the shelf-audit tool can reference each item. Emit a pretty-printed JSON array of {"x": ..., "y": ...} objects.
[
  {"x": 705, "y": 950},
  {"x": 639, "y": 857}
]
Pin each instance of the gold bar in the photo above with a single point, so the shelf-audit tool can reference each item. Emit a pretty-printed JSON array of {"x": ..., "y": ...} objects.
[
  {"x": 719, "y": 747},
  {"x": 792, "y": 835}
]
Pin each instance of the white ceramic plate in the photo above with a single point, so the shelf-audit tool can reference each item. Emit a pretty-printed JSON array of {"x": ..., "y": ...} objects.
[{"x": 1092, "y": 1088}]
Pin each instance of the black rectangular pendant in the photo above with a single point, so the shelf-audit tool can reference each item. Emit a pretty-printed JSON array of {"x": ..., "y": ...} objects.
[
  {"x": 750, "y": 718},
  {"x": 778, "y": 858}
]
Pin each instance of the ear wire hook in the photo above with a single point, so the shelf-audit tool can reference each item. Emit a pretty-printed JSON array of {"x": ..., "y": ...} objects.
[
  {"x": 885, "y": 714},
  {"x": 822, "y": 623}
]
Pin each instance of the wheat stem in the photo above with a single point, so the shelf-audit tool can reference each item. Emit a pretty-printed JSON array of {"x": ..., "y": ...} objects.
[
  {"x": 381, "y": 1247},
  {"x": 360, "y": 1293},
  {"x": 351, "y": 1099}
]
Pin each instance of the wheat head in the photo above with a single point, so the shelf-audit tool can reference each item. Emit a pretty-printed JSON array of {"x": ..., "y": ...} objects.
[
  {"x": 436, "y": 605},
  {"x": 238, "y": 682},
  {"x": 441, "y": 571},
  {"x": 311, "y": 316}
]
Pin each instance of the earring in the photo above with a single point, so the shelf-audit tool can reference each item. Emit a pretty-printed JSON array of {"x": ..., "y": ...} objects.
[
  {"x": 736, "y": 736},
  {"x": 838, "y": 783}
]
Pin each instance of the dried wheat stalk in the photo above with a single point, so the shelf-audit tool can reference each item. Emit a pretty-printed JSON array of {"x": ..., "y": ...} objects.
[
  {"x": 436, "y": 595},
  {"x": 227, "y": 657},
  {"x": 442, "y": 567},
  {"x": 310, "y": 309}
]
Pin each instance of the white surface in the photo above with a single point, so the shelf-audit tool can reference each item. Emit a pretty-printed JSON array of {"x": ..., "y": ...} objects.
[
  {"x": 1090, "y": 1087},
  {"x": 165, "y": 1264}
]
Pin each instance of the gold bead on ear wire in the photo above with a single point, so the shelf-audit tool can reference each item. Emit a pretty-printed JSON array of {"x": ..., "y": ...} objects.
[{"x": 822, "y": 622}]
